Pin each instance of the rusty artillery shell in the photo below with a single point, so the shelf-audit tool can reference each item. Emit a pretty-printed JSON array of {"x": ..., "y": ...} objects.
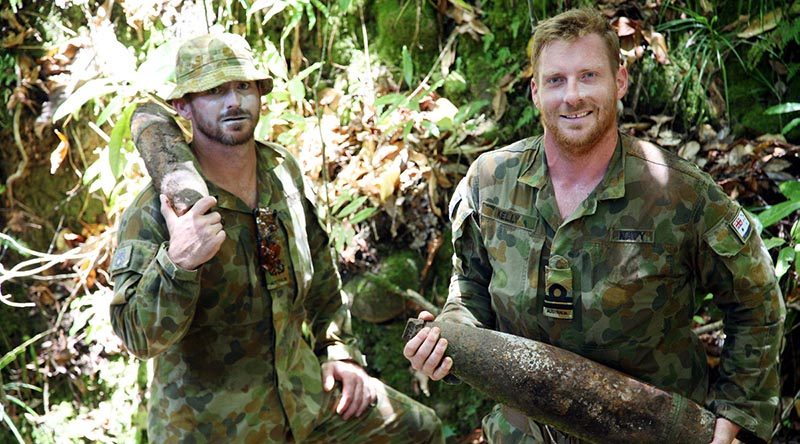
[
  {"x": 168, "y": 158},
  {"x": 576, "y": 395}
]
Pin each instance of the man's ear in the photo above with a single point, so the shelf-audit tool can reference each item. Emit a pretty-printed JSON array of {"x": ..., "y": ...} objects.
[
  {"x": 534, "y": 90},
  {"x": 622, "y": 81},
  {"x": 183, "y": 108}
]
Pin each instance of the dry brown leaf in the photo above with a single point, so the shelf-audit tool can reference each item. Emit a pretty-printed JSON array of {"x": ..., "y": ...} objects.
[
  {"x": 384, "y": 153},
  {"x": 42, "y": 295},
  {"x": 60, "y": 153},
  {"x": 777, "y": 165},
  {"x": 499, "y": 103},
  {"x": 448, "y": 57},
  {"x": 388, "y": 181},
  {"x": 658, "y": 44},
  {"x": 432, "y": 194},
  {"x": 689, "y": 151},
  {"x": 761, "y": 24}
]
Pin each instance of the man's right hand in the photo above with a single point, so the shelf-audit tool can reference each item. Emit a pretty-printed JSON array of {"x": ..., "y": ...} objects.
[
  {"x": 194, "y": 237},
  {"x": 426, "y": 350}
]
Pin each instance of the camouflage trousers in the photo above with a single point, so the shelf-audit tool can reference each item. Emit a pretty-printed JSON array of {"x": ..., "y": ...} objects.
[
  {"x": 497, "y": 430},
  {"x": 394, "y": 419}
]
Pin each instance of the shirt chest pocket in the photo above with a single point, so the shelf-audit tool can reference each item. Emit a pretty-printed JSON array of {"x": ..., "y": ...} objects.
[
  {"x": 624, "y": 263},
  {"x": 514, "y": 250},
  {"x": 631, "y": 290}
]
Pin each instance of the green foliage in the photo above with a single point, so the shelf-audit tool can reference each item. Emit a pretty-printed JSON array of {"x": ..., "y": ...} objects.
[
  {"x": 785, "y": 108},
  {"x": 8, "y": 77},
  {"x": 346, "y": 212},
  {"x": 406, "y": 23},
  {"x": 790, "y": 253}
]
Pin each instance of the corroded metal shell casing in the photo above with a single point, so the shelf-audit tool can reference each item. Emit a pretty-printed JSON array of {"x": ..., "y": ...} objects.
[
  {"x": 167, "y": 156},
  {"x": 574, "y": 394}
]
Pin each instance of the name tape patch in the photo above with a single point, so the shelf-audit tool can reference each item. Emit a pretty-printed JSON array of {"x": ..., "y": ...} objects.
[
  {"x": 741, "y": 226},
  {"x": 633, "y": 236}
]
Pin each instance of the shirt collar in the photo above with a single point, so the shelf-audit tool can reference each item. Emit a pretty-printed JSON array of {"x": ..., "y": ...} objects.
[
  {"x": 267, "y": 159},
  {"x": 612, "y": 186}
]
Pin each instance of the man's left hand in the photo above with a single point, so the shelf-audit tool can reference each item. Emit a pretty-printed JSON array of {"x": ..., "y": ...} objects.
[
  {"x": 724, "y": 431},
  {"x": 358, "y": 388}
]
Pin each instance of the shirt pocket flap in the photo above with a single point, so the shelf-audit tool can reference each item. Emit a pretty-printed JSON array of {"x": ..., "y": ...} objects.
[
  {"x": 132, "y": 255},
  {"x": 722, "y": 239}
]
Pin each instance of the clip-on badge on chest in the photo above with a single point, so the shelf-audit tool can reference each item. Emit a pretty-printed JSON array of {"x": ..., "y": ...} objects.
[{"x": 558, "y": 300}]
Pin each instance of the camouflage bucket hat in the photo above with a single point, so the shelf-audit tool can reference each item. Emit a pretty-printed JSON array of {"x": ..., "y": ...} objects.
[{"x": 211, "y": 60}]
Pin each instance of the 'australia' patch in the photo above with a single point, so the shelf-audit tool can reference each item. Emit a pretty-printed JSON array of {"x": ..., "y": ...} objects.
[
  {"x": 741, "y": 226},
  {"x": 122, "y": 257}
]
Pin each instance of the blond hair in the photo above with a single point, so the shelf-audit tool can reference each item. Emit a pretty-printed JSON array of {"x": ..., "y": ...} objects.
[{"x": 572, "y": 25}]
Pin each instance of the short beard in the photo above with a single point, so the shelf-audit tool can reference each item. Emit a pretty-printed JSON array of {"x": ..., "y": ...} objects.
[
  {"x": 215, "y": 133},
  {"x": 582, "y": 145}
]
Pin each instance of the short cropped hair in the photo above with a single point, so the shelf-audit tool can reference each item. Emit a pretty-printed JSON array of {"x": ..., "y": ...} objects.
[{"x": 572, "y": 25}]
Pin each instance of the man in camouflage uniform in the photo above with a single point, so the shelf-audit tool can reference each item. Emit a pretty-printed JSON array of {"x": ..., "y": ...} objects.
[
  {"x": 238, "y": 299},
  {"x": 599, "y": 243}
]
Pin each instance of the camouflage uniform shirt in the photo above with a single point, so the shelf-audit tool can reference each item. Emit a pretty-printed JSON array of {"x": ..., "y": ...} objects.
[
  {"x": 237, "y": 347},
  {"x": 617, "y": 280}
]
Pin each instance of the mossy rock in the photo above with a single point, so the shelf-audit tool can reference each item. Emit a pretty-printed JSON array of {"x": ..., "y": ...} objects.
[{"x": 374, "y": 302}]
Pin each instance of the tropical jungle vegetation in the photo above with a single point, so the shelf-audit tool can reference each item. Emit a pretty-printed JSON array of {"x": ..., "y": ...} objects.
[{"x": 385, "y": 103}]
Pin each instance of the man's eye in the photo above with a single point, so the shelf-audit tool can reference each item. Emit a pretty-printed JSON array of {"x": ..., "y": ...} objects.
[
  {"x": 244, "y": 85},
  {"x": 215, "y": 90},
  {"x": 589, "y": 75},
  {"x": 554, "y": 80}
]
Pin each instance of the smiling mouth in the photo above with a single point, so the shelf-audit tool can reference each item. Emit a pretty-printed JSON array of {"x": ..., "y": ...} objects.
[{"x": 576, "y": 115}]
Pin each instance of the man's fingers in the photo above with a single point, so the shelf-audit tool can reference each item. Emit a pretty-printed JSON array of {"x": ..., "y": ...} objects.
[
  {"x": 219, "y": 238},
  {"x": 203, "y": 205},
  {"x": 424, "y": 351},
  {"x": 327, "y": 378},
  {"x": 347, "y": 397},
  {"x": 443, "y": 369},
  {"x": 435, "y": 358},
  {"x": 356, "y": 399},
  {"x": 214, "y": 218},
  {"x": 413, "y": 345},
  {"x": 166, "y": 210},
  {"x": 426, "y": 316}
]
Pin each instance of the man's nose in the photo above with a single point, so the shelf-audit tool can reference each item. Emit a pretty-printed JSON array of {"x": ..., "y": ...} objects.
[
  {"x": 573, "y": 94},
  {"x": 232, "y": 98}
]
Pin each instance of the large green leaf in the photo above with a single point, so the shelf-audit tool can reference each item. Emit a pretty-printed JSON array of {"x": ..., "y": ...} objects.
[
  {"x": 783, "y": 108},
  {"x": 785, "y": 258},
  {"x": 306, "y": 72},
  {"x": 773, "y": 242},
  {"x": 297, "y": 91},
  {"x": 363, "y": 215},
  {"x": 408, "y": 67},
  {"x": 352, "y": 207},
  {"x": 775, "y": 213},
  {"x": 791, "y": 189},
  {"x": 11, "y": 426},
  {"x": 10, "y": 356},
  {"x": 790, "y": 126},
  {"x": 122, "y": 130},
  {"x": 90, "y": 90}
]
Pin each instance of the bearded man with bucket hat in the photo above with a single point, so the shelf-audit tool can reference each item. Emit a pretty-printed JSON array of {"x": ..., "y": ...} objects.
[{"x": 238, "y": 299}]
